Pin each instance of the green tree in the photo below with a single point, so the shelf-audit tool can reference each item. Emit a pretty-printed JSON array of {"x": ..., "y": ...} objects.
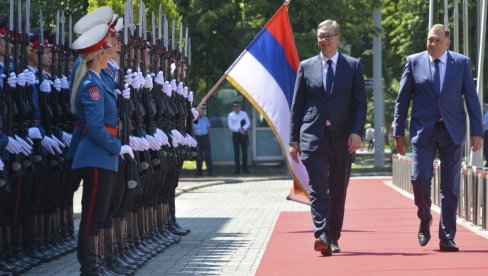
[{"x": 49, "y": 9}]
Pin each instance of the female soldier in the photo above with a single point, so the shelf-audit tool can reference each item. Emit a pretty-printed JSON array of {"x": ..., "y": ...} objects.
[{"x": 96, "y": 156}]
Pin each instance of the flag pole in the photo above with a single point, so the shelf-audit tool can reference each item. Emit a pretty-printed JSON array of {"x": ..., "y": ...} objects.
[
  {"x": 226, "y": 73},
  {"x": 219, "y": 82}
]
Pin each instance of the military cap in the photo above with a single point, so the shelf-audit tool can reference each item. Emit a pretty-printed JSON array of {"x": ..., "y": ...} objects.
[
  {"x": 92, "y": 40},
  {"x": 102, "y": 15},
  {"x": 119, "y": 25},
  {"x": 34, "y": 37},
  {"x": 3, "y": 24}
]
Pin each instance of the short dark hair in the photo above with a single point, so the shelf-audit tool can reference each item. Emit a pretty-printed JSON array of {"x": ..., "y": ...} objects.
[{"x": 236, "y": 102}]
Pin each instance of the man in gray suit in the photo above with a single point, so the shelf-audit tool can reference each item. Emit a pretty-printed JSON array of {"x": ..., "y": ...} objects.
[
  {"x": 439, "y": 82},
  {"x": 327, "y": 119}
]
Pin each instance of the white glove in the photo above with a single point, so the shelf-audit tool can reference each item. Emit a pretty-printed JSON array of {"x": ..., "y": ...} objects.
[
  {"x": 50, "y": 145},
  {"x": 193, "y": 142},
  {"x": 134, "y": 143},
  {"x": 2, "y": 76},
  {"x": 153, "y": 143},
  {"x": 13, "y": 146},
  {"x": 57, "y": 84},
  {"x": 185, "y": 92},
  {"x": 173, "y": 85},
  {"x": 142, "y": 80},
  {"x": 34, "y": 133},
  {"x": 125, "y": 93},
  {"x": 159, "y": 79},
  {"x": 66, "y": 138},
  {"x": 26, "y": 149},
  {"x": 32, "y": 78},
  {"x": 64, "y": 82},
  {"x": 177, "y": 135},
  {"x": 12, "y": 80},
  {"x": 180, "y": 89},
  {"x": 45, "y": 86},
  {"x": 21, "y": 80},
  {"x": 144, "y": 143},
  {"x": 158, "y": 137},
  {"x": 128, "y": 77},
  {"x": 167, "y": 88},
  {"x": 161, "y": 136},
  {"x": 29, "y": 141},
  {"x": 61, "y": 144},
  {"x": 190, "y": 97},
  {"x": 126, "y": 149},
  {"x": 136, "y": 84},
  {"x": 148, "y": 82},
  {"x": 138, "y": 143},
  {"x": 195, "y": 113},
  {"x": 1, "y": 165}
]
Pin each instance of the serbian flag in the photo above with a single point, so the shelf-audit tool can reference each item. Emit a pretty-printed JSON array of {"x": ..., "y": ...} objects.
[{"x": 265, "y": 74}]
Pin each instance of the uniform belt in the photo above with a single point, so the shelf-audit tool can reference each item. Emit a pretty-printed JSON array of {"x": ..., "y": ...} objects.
[{"x": 111, "y": 130}]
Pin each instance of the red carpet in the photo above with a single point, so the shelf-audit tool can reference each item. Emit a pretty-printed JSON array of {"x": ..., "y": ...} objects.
[{"x": 379, "y": 237}]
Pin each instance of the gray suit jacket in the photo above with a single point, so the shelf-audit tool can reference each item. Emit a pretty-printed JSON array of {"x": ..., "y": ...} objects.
[{"x": 311, "y": 108}]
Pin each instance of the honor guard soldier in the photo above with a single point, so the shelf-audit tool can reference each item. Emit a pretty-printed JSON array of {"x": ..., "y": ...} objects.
[{"x": 97, "y": 154}]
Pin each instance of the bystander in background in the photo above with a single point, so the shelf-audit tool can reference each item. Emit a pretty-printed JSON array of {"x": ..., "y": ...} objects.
[{"x": 201, "y": 130}]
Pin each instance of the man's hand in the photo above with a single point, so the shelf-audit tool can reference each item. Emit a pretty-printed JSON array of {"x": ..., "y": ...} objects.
[
  {"x": 476, "y": 142},
  {"x": 353, "y": 143},
  {"x": 295, "y": 151},
  {"x": 400, "y": 144}
]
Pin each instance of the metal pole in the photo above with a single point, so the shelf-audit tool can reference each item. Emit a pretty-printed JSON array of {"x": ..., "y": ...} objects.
[
  {"x": 465, "y": 28},
  {"x": 477, "y": 158},
  {"x": 431, "y": 13},
  {"x": 456, "y": 26},
  {"x": 467, "y": 145},
  {"x": 446, "y": 13},
  {"x": 379, "y": 121}
]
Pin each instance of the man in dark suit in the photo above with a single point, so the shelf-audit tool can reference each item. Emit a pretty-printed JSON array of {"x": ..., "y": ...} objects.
[
  {"x": 327, "y": 119},
  {"x": 437, "y": 80}
]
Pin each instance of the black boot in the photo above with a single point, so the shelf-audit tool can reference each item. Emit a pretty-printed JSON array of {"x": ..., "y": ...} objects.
[
  {"x": 31, "y": 244},
  {"x": 17, "y": 248},
  {"x": 4, "y": 267},
  {"x": 110, "y": 259},
  {"x": 172, "y": 211},
  {"x": 87, "y": 255},
  {"x": 17, "y": 265}
]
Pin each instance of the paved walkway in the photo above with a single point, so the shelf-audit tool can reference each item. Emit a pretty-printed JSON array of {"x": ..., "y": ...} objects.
[
  {"x": 231, "y": 220},
  {"x": 231, "y": 224}
]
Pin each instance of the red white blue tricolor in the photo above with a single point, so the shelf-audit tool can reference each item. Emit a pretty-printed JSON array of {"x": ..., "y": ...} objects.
[{"x": 265, "y": 74}]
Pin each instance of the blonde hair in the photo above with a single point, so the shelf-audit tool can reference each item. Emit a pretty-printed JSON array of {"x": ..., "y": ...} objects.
[{"x": 86, "y": 60}]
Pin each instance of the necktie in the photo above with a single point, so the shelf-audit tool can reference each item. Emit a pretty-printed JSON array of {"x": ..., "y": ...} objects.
[
  {"x": 437, "y": 77},
  {"x": 329, "y": 80}
]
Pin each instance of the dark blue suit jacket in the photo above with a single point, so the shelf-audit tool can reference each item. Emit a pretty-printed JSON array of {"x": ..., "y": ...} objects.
[
  {"x": 311, "y": 108},
  {"x": 429, "y": 106}
]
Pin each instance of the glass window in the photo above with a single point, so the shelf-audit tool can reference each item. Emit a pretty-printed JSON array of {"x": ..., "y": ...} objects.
[{"x": 220, "y": 105}]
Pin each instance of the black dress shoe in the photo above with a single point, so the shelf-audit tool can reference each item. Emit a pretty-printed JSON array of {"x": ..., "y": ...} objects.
[
  {"x": 334, "y": 246},
  {"x": 322, "y": 245},
  {"x": 448, "y": 246},
  {"x": 424, "y": 232}
]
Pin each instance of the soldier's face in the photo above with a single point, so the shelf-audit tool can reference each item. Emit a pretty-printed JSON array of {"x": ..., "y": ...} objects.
[
  {"x": 47, "y": 58},
  {"x": 2, "y": 46}
]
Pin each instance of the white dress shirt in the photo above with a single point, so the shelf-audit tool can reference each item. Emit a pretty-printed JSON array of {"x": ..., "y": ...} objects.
[
  {"x": 325, "y": 66},
  {"x": 234, "y": 121}
]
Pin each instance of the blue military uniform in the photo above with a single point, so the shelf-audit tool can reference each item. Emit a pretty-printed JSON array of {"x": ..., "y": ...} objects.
[{"x": 97, "y": 112}]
